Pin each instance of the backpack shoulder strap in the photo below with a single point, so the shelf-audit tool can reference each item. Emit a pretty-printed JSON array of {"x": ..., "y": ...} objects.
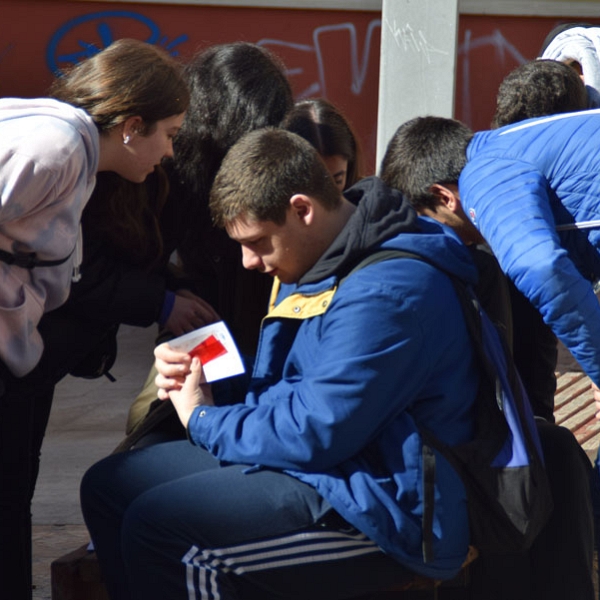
[{"x": 380, "y": 256}]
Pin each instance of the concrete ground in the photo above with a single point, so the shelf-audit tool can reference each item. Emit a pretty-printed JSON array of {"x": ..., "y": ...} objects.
[{"x": 87, "y": 422}]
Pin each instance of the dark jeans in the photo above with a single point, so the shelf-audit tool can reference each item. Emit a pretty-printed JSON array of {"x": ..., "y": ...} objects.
[
  {"x": 169, "y": 521},
  {"x": 559, "y": 565},
  {"x": 25, "y": 405},
  {"x": 24, "y": 412}
]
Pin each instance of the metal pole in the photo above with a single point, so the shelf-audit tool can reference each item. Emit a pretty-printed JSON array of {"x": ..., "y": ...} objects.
[{"x": 417, "y": 64}]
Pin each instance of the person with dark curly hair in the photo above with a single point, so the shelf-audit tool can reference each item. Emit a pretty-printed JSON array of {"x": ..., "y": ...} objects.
[
  {"x": 235, "y": 88},
  {"x": 538, "y": 88}
]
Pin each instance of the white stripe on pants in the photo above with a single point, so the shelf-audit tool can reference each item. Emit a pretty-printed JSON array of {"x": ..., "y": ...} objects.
[{"x": 203, "y": 566}]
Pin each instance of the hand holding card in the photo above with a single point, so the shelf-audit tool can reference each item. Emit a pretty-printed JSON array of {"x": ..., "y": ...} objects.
[{"x": 215, "y": 348}]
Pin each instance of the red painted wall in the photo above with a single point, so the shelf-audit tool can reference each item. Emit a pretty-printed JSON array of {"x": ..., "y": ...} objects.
[
  {"x": 329, "y": 53},
  {"x": 324, "y": 51},
  {"x": 490, "y": 47}
]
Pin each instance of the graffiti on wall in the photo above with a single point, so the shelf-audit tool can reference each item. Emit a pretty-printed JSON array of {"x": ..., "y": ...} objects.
[
  {"x": 68, "y": 44},
  {"x": 506, "y": 55},
  {"x": 71, "y": 43},
  {"x": 411, "y": 40},
  {"x": 359, "y": 65},
  {"x": 338, "y": 60},
  {"x": 327, "y": 53}
]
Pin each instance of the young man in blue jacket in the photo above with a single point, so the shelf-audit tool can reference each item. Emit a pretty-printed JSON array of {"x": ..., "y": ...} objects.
[{"x": 311, "y": 485}]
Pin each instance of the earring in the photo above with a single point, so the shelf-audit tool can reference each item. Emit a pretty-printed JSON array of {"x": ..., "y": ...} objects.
[{"x": 126, "y": 139}]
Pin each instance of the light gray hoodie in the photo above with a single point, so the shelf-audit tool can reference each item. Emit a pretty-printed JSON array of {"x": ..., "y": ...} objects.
[
  {"x": 583, "y": 45},
  {"x": 48, "y": 161}
]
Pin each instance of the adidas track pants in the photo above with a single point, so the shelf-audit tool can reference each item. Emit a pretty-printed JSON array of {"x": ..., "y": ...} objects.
[{"x": 169, "y": 521}]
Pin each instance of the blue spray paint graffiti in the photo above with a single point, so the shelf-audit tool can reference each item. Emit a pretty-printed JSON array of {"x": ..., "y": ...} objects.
[{"x": 55, "y": 58}]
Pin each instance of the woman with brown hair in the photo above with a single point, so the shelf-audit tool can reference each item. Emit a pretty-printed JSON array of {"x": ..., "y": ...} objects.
[{"x": 117, "y": 111}]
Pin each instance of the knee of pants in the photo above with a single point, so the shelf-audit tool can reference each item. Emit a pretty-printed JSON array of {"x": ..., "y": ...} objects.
[
  {"x": 150, "y": 530},
  {"x": 96, "y": 493}
]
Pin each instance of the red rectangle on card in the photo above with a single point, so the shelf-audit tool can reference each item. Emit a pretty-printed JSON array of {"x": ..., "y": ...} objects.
[{"x": 208, "y": 350}]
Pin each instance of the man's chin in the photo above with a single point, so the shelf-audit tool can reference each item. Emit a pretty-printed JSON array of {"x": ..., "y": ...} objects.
[{"x": 283, "y": 277}]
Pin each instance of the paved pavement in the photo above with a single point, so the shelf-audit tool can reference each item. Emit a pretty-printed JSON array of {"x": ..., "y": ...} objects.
[{"x": 87, "y": 422}]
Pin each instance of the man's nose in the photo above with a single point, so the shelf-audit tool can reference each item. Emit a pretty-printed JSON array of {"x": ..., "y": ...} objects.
[{"x": 250, "y": 259}]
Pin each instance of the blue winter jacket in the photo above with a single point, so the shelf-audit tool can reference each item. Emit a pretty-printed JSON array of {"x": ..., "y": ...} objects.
[
  {"x": 532, "y": 189},
  {"x": 347, "y": 372}
]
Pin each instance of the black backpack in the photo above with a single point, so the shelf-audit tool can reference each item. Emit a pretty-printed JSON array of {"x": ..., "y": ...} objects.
[{"x": 502, "y": 467}]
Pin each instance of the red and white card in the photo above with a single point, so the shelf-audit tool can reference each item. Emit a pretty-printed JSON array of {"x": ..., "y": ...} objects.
[{"x": 216, "y": 349}]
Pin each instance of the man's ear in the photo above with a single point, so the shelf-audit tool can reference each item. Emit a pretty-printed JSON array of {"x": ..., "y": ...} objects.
[
  {"x": 303, "y": 208},
  {"x": 576, "y": 66},
  {"x": 448, "y": 195}
]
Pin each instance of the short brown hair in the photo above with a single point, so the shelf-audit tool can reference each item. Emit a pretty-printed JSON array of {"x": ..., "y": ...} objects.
[{"x": 262, "y": 171}]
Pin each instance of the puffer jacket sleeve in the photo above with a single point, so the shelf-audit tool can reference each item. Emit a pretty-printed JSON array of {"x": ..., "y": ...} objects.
[{"x": 509, "y": 202}]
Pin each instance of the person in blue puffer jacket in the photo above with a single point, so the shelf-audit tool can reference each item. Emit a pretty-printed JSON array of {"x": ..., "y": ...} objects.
[
  {"x": 418, "y": 157},
  {"x": 533, "y": 191},
  {"x": 311, "y": 485}
]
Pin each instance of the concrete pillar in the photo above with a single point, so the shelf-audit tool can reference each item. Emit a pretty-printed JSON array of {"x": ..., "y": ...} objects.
[{"x": 417, "y": 64}]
